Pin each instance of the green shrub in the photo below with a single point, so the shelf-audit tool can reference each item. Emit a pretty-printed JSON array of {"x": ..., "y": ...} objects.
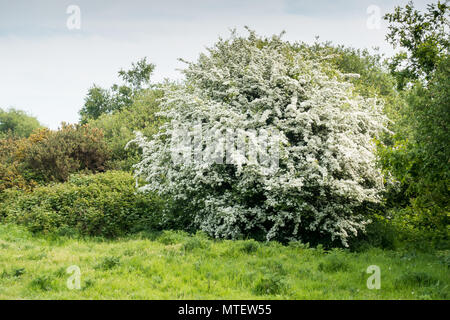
[
  {"x": 104, "y": 204},
  {"x": 70, "y": 149},
  {"x": 380, "y": 233},
  {"x": 118, "y": 128},
  {"x": 422, "y": 229},
  {"x": 13, "y": 173}
]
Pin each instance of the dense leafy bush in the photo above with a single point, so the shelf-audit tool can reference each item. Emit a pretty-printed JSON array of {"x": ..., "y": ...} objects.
[
  {"x": 103, "y": 204},
  {"x": 418, "y": 158},
  {"x": 380, "y": 233},
  {"x": 119, "y": 127},
  {"x": 326, "y": 177},
  {"x": 10, "y": 175},
  {"x": 48, "y": 155},
  {"x": 70, "y": 149},
  {"x": 13, "y": 171}
]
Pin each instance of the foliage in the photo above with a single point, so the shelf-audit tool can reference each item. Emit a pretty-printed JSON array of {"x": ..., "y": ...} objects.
[
  {"x": 374, "y": 79},
  {"x": 419, "y": 157},
  {"x": 138, "y": 76},
  {"x": 382, "y": 232},
  {"x": 10, "y": 175},
  {"x": 16, "y": 123},
  {"x": 327, "y": 176},
  {"x": 118, "y": 128},
  {"x": 103, "y": 204},
  {"x": 50, "y": 156},
  {"x": 430, "y": 110},
  {"x": 70, "y": 149},
  {"x": 421, "y": 164},
  {"x": 424, "y": 36},
  {"x": 105, "y": 101},
  {"x": 13, "y": 172}
]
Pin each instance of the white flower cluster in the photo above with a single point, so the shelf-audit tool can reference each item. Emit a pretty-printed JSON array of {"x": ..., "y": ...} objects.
[
  {"x": 326, "y": 172},
  {"x": 199, "y": 143}
]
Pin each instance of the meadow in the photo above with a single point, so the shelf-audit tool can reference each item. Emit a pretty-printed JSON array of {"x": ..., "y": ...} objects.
[
  {"x": 175, "y": 265},
  {"x": 274, "y": 169}
]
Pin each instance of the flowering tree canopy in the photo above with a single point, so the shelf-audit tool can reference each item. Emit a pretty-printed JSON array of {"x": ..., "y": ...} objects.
[{"x": 263, "y": 139}]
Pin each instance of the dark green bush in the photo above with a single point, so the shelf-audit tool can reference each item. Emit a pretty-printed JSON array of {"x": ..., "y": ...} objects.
[
  {"x": 381, "y": 233},
  {"x": 104, "y": 204},
  {"x": 72, "y": 148}
]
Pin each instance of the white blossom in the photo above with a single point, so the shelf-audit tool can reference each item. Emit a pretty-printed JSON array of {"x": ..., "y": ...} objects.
[{"x": 326, "y": 172}]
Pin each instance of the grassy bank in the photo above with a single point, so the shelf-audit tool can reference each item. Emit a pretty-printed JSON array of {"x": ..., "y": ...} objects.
[{"x": 177, "y": 266}]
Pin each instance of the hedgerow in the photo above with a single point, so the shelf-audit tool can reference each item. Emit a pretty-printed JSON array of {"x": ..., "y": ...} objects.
[{"x": 104, "y": 204}]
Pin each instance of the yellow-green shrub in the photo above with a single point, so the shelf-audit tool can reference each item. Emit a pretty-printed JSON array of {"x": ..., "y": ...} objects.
[{"x": 70, "y": 149}]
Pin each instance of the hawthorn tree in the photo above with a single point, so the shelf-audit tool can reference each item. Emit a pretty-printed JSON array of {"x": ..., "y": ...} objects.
[{"x": 325, "y": 179}]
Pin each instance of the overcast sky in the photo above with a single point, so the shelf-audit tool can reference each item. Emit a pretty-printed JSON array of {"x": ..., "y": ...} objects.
[{"x": 46, "y": 68}]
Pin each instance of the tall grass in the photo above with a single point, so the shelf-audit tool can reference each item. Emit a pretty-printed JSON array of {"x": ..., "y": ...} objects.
[{"x": 175, "y": 265}]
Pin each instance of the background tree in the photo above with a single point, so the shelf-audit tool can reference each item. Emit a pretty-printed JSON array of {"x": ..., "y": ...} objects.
[
  {"x": 17, "y": 123},
  {"x": 419, "y": 158},
  {"x": 119, "y": 127},
  {"x": 138, "y": 77},
  {"x": 424, "y": 38},
  {"x": 105, "y": 101}
]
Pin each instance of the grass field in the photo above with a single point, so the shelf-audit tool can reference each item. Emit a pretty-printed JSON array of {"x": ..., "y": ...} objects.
[{"x": 177, "y": 266}]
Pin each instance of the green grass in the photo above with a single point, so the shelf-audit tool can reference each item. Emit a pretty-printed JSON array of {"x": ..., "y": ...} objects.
[{"x": 177, "y": 266}]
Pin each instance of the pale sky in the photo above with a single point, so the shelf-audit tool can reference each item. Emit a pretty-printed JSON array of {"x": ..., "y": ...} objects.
[{"x": 46, "y": 68}]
